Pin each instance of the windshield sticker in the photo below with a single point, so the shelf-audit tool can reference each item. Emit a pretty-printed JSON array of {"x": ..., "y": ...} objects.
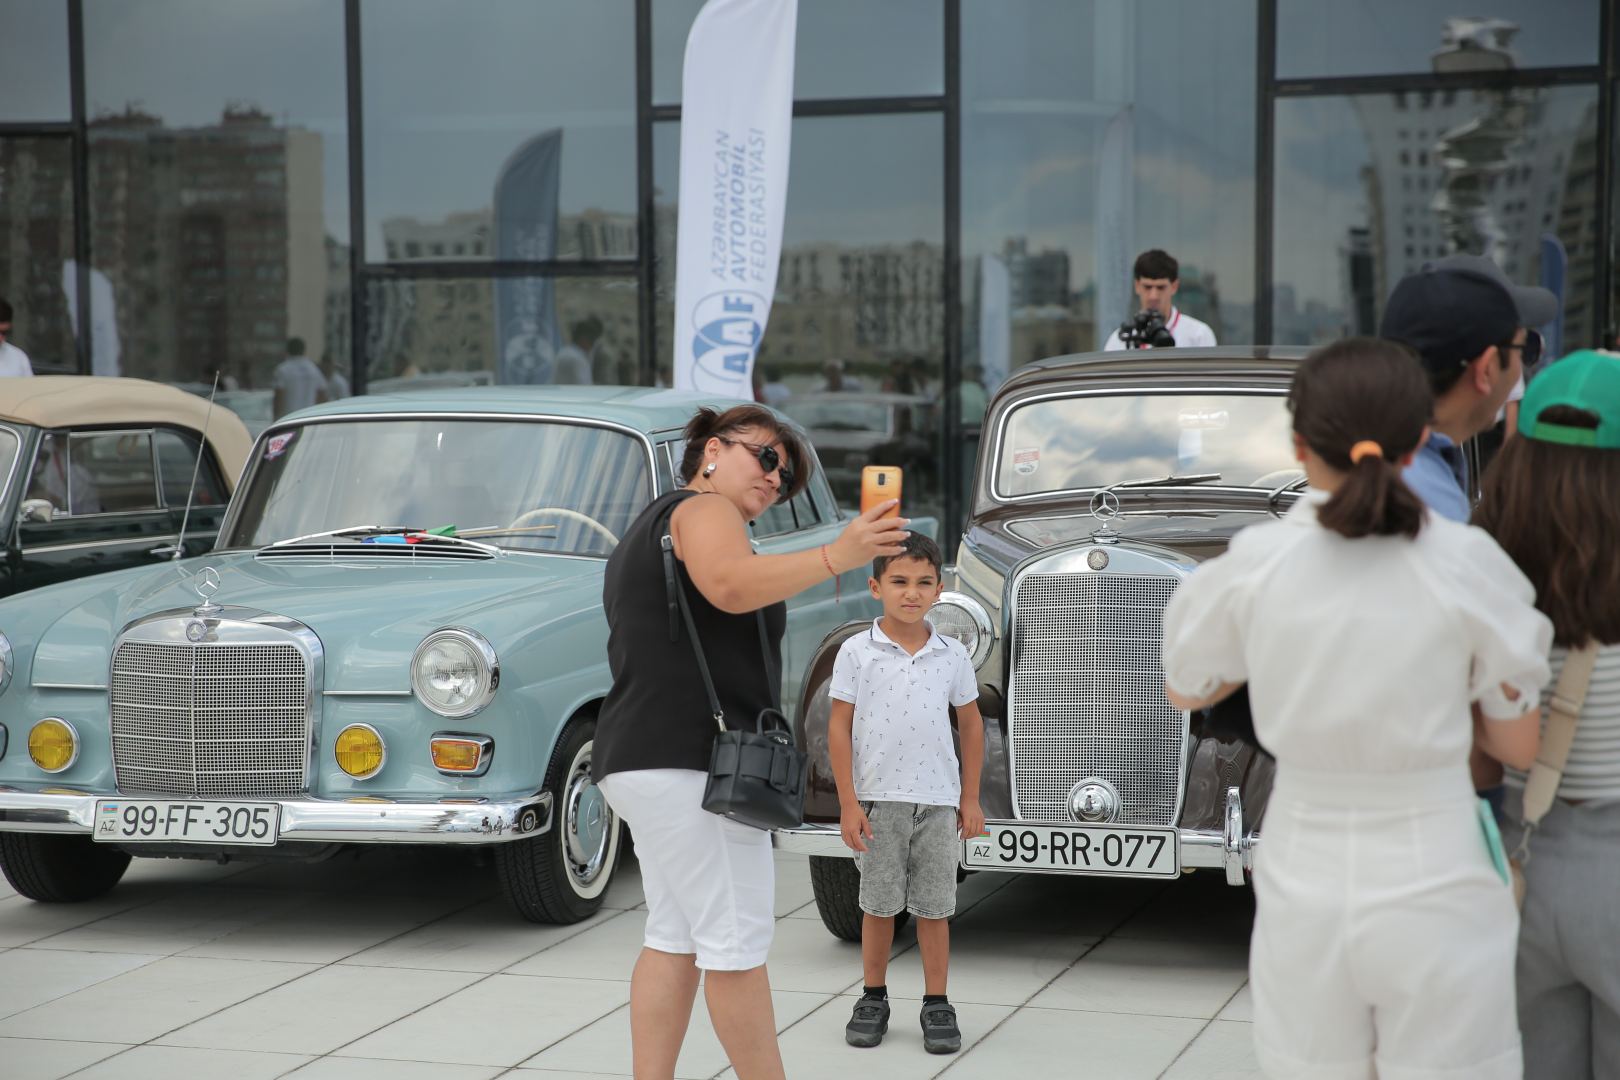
[
  {"x": 1203, "y": 419},
  {"x": 277, "y": 445},
  {"x": 1025, "y": 462}
]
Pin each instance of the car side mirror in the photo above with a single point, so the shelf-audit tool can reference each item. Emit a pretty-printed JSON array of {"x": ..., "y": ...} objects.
[{"x": 40, "y": 510}]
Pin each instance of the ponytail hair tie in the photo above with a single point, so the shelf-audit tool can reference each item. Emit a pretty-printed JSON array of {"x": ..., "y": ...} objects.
[{"x": 1365, "y": 448}]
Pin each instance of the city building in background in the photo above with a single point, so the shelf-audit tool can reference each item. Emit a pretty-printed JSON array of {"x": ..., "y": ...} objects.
[{"x": 430, "y": 195}]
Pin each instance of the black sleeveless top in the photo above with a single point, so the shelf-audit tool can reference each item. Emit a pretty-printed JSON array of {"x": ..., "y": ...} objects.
[{"x": 657, "y": 715}]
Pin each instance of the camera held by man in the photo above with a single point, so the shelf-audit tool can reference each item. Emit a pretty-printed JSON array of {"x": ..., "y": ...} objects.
[{"x": 1159, "y": 324}]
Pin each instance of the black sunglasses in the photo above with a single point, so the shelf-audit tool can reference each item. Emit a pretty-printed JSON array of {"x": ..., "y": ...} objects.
[
  {"x": 769, "y": 461},
  {"x": 1530, "y": 351}
]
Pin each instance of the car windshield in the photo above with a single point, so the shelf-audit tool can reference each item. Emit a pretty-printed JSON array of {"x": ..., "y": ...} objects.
[
  {"x": 839, "y": 414},
  {"x": 1062, "y": 444},
  {"x": 544, "y": 487}
]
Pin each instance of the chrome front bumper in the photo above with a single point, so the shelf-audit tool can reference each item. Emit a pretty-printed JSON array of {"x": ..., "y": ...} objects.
[
  {"x": 1231, "y": 849},
  {"x": 323, "y": 820}
]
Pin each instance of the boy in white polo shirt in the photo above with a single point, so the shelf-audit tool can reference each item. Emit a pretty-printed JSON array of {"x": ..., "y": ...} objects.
[{"x": 905, "y": 802}]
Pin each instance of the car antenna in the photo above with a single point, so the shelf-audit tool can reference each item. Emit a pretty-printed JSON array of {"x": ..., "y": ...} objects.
[{"x": 196, "y": 470}]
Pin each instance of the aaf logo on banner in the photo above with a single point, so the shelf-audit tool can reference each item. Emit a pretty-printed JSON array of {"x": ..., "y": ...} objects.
[{"x": 728, "y": 328}]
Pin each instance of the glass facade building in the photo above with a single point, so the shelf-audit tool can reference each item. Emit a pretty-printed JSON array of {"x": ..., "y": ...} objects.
[{"x": 187, "y": 185}]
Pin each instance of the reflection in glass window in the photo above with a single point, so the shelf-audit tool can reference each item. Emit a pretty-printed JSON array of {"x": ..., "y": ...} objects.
[
  {"x": 429, "y": 333},
  {"x": 1093, "y": 130},
  {"x": 859, "y": 307},
  {"x": 1318, "y": 38},
  {"x": 502, "y": 129},
  {"x": 34, "y": 61},
  {"x": 177, "y": 462},
  {"x": 218, "y": 181},
  {"x": 95, "y": 474},
  {"x": 36, "y": 265},
  {"x": 541, "y": 487},
  {"x": 843, "y": 49},
  {"x": 1501, "y": 173},
  {"x": 1063, "y": 444}
]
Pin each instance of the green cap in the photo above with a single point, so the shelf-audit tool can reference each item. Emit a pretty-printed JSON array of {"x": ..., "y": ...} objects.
[{"x": 1588, "y": 380}]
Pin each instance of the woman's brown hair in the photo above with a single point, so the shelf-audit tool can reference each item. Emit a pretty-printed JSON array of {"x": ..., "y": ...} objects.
[
  {"x": 1556, "y": 511},
  {"x": 710, "y": 423},
  {"x": 1359, "y": 390}
]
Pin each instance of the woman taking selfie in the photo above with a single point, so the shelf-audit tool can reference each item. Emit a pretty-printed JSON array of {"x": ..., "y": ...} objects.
[
  {"x": 1365, "y": 629},
  {"x": 1552, "y": 500},
  {"x": 709, "y": 881}
]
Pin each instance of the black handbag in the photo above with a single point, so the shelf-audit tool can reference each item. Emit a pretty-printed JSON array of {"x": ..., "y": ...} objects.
[{"x": 756, "y": 777}]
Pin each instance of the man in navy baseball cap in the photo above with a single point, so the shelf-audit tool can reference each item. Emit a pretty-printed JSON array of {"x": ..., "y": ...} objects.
[{"x": 1467, "y": 328}]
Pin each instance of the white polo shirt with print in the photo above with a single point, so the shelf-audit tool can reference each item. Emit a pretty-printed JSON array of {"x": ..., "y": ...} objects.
[
  {"x": 902, "y": 731},
  {"x": 1190, "y": 333}
]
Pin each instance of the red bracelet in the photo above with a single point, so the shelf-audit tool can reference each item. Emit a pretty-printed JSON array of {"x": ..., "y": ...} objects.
[{"x": 838, "y": 582}]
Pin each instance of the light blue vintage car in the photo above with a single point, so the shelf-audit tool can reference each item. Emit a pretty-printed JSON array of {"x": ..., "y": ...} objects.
[{"x": 398, "y": 639}]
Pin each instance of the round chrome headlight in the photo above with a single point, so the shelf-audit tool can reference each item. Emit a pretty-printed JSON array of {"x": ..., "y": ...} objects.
[
  {"x": 455, "y": 672},
  {"x": 5, "y": 662},
  {"x": 960, "y": 616}
]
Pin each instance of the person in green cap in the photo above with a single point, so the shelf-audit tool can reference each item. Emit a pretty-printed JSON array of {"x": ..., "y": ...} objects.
[{"x": 1552, "y": 501}]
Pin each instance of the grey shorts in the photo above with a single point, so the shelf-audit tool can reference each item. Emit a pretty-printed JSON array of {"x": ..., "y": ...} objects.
[{"x": 910, "y": 861}]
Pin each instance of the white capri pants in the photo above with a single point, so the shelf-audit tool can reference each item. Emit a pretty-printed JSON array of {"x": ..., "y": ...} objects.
[
  {"x": 710, "y": 882},
  {"x": 1384, "y": 939}
]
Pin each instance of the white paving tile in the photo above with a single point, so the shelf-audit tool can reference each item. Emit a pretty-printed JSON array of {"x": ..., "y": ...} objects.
[
  {"x": 551, "y": 1074},
  {"x": 815, "y": 1046},
  {"x": 993, "y": 967},
  {"x": 1220, "y": 911},
  {"x": 806, "y": 958},
  {"x": 1223, "y": 1051},
  {"x": 49, "y": 1059},
  {"x": 514, "y": 1018},
  {"x": 1047, "y": 1043},
  {"x": 142, "y": 1004},
  {"x": 168, "y": 1062},
  {"x": 1241, "y": 1007},
  {"x": 325, "y": 928},
  {"x": 335, "y": 1068},
  {"x": 793, "y": 889},
  {"x": 485, "y": 938},
  {"x": 1190, "y": 978},
  {"x": 1057, "y": 904},
  {"x": 23, "y": 921},
  {"x": 322, "y": 1011},
  {"x": 605, "y": 1045},
  {"x": 625, "y": 891},
  {"x": 28, "y": 978},
  {"x": 170, "y": 926},
  {"x": 607, "y": 949}
]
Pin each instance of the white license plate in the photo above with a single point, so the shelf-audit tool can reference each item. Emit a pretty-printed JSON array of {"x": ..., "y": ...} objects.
[
  {"x": 125, "y": 821},
  {"x": 1112, "y": 850}
]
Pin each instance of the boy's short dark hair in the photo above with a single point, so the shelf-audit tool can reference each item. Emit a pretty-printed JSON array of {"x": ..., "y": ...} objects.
[
  {"x": 916, "y": 546},
  {"x": 1156, "y": 265}
]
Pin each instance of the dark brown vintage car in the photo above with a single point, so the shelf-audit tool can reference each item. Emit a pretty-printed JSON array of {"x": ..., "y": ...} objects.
[{"x": 1102, "y": 481}]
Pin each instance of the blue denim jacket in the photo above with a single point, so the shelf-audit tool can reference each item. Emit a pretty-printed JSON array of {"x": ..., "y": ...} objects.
[{"x": 1439, "y": 475}]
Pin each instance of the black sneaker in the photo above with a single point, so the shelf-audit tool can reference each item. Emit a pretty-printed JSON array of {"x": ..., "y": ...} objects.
[
  {"x": 940, "y": 1033},
  {"x": 869, "y": 1023}
]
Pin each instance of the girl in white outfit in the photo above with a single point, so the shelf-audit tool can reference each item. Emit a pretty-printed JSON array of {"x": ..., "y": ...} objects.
[{"x": 1366, "y": 629}]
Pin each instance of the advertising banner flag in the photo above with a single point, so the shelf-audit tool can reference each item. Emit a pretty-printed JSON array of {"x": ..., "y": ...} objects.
[
  {"x": 526, "y": 334},
  {"x": 1554, "y": 272},
  {"x": 736, "y": 120}
]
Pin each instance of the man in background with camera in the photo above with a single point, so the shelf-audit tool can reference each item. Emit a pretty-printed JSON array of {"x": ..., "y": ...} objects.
[{"x": 1159, "y": 324}]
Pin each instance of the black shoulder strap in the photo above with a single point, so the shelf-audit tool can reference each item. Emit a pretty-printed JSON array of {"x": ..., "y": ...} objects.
[{"x": 672, "y": 580}]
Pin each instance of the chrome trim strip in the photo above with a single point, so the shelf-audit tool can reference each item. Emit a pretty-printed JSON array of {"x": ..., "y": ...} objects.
[
  {"x": 367, "y": 693},
  {"x": 1200, "y": 849},
  {"x": 1113, "y": 391},
  {"x": 68, "y": 686},
  {"x": 511, "y": 817},
  {"x": 228, "y": 525},
  {"x": 122, "y": 541}
]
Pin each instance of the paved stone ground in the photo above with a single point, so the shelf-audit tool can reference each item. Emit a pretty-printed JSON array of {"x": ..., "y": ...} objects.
[{"x": 407, "y": 966}]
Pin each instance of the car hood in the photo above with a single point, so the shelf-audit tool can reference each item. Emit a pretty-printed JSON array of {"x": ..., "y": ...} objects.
[{"x": 369, "y": 617}]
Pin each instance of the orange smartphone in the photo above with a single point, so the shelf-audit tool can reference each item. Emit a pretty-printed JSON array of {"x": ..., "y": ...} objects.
[{"x": 880, "y": 483}]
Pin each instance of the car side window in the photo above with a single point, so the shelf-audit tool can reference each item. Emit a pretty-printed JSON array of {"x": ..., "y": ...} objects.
[
  {"x": 797, "y": 513},
  {"x": 177, "y": 459},
  {"x": 108, "y": 472}
]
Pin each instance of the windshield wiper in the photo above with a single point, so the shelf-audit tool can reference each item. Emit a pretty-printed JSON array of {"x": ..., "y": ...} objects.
[
  {"x": 502, "y": 530},
  {"x": 1166, "y": 481},
  {"x": 420, "y": 536},
  {"x": 1277, "y": 493}
]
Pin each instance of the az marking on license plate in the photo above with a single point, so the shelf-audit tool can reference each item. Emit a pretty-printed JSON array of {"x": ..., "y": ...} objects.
[
  {"x": 1116, "y": 850},
  {"x": 135, "y": 820}
]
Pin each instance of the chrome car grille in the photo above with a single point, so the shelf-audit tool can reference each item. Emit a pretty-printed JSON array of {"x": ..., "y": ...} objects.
[
  {"x": 1087, "y": 696},
  {"x": 223, "y": 720}
]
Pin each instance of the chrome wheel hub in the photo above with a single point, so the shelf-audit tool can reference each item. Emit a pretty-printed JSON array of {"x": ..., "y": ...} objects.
[{"x": 588, "y": 823}]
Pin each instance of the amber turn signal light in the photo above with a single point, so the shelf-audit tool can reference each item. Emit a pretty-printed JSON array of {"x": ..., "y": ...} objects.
[{"x": 463, "y": 755}]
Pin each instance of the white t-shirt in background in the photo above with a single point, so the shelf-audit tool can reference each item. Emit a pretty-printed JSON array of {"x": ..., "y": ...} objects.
[
  {"x": 300, "y": 381},
  {"x": 1190, "y": 333},
  {"x": 13, "y": 361}
]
